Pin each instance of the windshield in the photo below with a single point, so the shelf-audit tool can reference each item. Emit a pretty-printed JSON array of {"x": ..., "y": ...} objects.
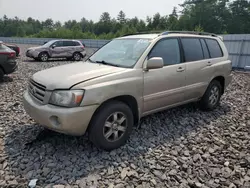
[
  {"x": 48, "y": 44},
  {"x": 121, "y": 52}
]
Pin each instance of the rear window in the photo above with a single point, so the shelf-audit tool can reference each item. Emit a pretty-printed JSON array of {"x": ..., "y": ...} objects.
[
  {"x": 2, "y": 46},
  {"x": 192, "y": 49},
  {"x": 214, "y": 48}
]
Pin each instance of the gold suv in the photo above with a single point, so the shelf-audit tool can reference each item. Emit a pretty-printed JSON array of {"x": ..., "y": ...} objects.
[{"x": 128, "y": 78}]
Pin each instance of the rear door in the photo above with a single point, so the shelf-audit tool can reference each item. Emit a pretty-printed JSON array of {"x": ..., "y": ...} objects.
[
  {"x": 69, "y": 48},
  {"x": 199, "y": 66}
]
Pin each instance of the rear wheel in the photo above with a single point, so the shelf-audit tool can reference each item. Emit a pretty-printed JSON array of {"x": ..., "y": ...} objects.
[
  {"x": 43, "y": 56},
  {"x": 111, "y": 126},
  {"x": 211, "y": 98},
  {"x": 77, "y": 56}
]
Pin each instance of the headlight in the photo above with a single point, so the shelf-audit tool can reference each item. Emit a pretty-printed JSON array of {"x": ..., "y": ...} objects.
[{"x": 67, "y": 98}]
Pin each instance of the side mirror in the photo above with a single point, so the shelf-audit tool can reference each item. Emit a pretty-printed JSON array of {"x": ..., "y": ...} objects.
[
  {"x": 53, "y": 46},
  {"x": 154, "y": 63}
]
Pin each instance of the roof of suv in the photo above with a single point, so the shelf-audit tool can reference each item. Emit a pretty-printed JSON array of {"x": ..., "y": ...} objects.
[{"x": 171, "y": 33}]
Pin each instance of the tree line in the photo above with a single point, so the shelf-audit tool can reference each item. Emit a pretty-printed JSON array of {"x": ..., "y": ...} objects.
[{"x": 215, "y": 16}]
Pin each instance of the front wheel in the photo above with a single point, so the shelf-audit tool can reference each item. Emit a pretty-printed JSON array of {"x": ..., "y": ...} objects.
[
  {"x": 43, "y": 56},
  {"x": 211, "y": 98},
  {"x": 111, "y": 126}
]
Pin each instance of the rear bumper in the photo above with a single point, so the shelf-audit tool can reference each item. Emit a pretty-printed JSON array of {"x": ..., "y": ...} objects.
[
  {"x": 83, "y": 53},
  {"x": 228, "y": 80}
]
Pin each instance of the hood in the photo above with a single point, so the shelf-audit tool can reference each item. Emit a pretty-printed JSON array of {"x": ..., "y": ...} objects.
[{"x": 65, "y": 76}]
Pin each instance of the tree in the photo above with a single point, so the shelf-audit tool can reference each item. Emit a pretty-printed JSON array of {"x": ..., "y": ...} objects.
[
  {"x": 172, "y": 22},
  {"x": 48, "y": 24},
  {"x": 121, "y": 17},
  {"x": 105, "y": 17}
]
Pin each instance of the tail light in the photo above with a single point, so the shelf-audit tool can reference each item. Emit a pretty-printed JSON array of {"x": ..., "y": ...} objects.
[
  {"x": 18, "y": 49},
  {"x": 9, "y": 54},
  {"x": 12, "y": 54}
]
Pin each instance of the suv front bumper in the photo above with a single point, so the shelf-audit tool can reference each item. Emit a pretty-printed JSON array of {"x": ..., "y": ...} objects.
[{"x": 71, "y": 121}]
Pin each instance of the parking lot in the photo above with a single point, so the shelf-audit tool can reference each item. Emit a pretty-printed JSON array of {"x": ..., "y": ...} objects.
[{"x": 181, "y": 147}]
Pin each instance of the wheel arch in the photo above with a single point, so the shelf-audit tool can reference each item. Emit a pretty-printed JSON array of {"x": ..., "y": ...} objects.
[
  {"x": 221, "y": 80},
  {"x": 126, "y": 99}
]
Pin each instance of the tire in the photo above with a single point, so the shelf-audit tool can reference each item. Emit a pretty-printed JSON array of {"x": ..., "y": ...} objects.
[
  {"x": 1, "y": 74},
  {"x": 104, "y": 129},
  {"x": 43, "y": 56},
  {"x": 77, "y": 56},
  {"x": 211, "y": 98}
]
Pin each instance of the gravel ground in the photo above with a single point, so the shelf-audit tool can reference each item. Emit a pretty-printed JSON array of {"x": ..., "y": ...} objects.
[{"x": 181, "y": 147}]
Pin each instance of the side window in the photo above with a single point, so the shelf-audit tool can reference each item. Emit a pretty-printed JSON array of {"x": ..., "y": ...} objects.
[
  {"x": 58, "y": 44},
  {"x": 168, "y": 50},
  {"x": 68, "y": 43},
  {"x": 192, "y": 49},
  {"x": 214, "y": 48},
  {"x": 205, "y": 50}
]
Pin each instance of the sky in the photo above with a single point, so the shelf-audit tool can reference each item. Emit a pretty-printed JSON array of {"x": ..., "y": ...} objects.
[{"x": 63, "y": 10}]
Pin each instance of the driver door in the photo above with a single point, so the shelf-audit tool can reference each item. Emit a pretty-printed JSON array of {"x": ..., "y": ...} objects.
[
  {"x": 57, "y": 49},
  {"x": 164, "y": 87}
]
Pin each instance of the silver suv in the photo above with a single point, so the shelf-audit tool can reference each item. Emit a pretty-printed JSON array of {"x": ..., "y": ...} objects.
[
  {"x": 70, "y": 49},
  {"x": 128, "y": 78}
]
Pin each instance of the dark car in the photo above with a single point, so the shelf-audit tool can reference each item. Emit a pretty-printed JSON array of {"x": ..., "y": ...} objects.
[
  {"x": 8, "y": 62},
  {"x": 14, "y": 47}
]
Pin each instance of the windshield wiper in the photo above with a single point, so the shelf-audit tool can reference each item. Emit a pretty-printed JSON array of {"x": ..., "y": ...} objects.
[
  {"x": 92, "y": 61},
  {"x": 107, "y": 63}
]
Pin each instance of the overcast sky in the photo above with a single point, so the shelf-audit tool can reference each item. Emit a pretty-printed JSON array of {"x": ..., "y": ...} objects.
[{"x": 62, "y": 10}]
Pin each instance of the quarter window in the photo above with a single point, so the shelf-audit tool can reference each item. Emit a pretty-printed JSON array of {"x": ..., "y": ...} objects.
[
  {"x": 168, "y": 50},
  {"x": 214, "y": 48},
  {"x": 192, "y": 49},
  {"x": 205, "y": 50}
]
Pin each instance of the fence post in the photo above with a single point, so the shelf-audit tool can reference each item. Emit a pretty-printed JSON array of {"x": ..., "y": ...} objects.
[{"x": 240, "y": 52}]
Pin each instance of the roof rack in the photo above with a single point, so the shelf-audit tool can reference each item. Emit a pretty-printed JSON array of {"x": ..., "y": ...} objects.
[
  {"x": 189, "y": 32},
  {"x": 144, "y": 32}
]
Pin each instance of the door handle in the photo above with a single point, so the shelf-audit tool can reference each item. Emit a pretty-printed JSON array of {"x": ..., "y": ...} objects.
[
  {"x": 180, "y": 69},
  {"x": 209, "y": 63}
]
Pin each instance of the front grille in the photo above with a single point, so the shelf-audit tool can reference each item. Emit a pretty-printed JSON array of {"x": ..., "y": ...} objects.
[{"x": 37, "y": 90}]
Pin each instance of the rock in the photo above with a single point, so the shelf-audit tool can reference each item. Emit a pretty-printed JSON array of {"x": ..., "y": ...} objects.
[
  {"x": 186, "y": 153},
  {"x": 51, "y": 165},
  {"x": 111, "y": 185},
  {"x": 54, "y": 179},
  {"x": 58, "y": 186},
  {"x": 153, "y": 181},
  {"x": 32, "y": 183},
  {"x": 46, "y": 171},
  {"x": 124, "y": 173},
  {"x": 172, "y": 172},
  {"x": 226, "y": 164},
  {"x": 119, "y": 186},
  {"x": 196, "y": 157},
  {"x": 13, "y": 182},
  {"x": 133, "y": 166}
]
